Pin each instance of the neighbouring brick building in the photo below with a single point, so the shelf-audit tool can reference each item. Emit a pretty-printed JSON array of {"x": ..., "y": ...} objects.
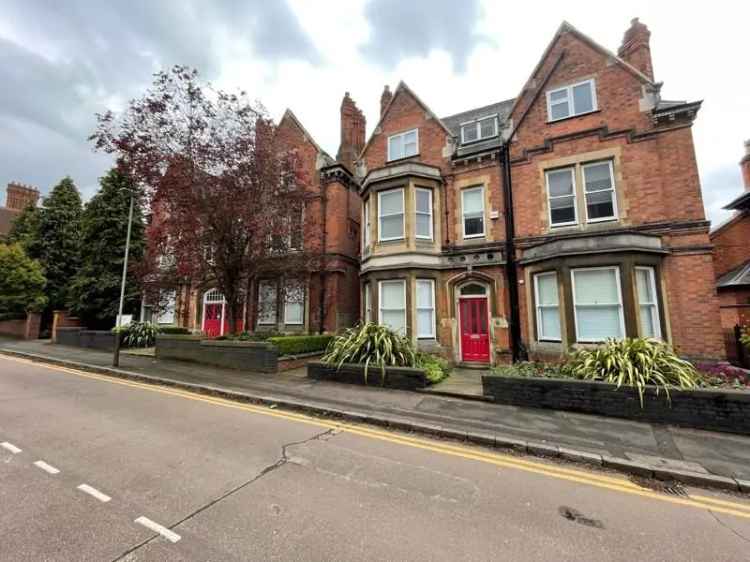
[
  {"x": 17, "y": 197},
  {"x": 609, "y": 237},
  {"x": 731, "y": 242}
]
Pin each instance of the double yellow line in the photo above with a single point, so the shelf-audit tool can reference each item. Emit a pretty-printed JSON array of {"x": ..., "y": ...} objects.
[{"x": 597, "y": 480}]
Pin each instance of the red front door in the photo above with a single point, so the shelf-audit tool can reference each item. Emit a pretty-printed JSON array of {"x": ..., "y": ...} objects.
[
  {"x": 475, "y": 337},
  {"x": 212, "y": 320}
]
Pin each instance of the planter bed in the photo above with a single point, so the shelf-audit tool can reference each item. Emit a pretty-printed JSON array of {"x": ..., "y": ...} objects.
[
  {"x": 242, "y": 355},
  {"x": 405, "y": 378},
  {"x": 717, "y": 410}
]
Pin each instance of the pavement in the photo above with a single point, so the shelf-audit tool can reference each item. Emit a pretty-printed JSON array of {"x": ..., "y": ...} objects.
[
  {"x": 696, "y": 457},
  {"x": 94, "y": 467}
]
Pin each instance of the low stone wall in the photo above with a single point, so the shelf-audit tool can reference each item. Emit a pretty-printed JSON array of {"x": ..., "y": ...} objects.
[
  {"x": 287, "y": 362},
  {"x": 716, "y": 410},
  {"x": 404, "y": 378},
  {"x": 80, "y": 337},
  {"x": 247, "y": 356},
  {"x": 68, "y": 336},
  {"x": 13, "y": 328}
]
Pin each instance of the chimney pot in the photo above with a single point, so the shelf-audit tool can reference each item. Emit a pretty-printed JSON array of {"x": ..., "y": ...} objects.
[
  {"x": 352, "y": 132},
  {"x": 745, "y": 166},
  {"x": 636, "y": 49}
]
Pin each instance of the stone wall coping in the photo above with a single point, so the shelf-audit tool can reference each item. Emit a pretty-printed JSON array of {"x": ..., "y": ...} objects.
[
  {"x": 236, "y": 343},
  {"x": 401, "y": 370},
  {"x": 300, "y": 355}
]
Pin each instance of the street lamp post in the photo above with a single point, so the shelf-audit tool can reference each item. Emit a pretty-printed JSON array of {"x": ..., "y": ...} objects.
[{"x": 116, "y": 355}]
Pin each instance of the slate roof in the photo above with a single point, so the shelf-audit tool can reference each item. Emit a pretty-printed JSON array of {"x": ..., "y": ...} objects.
[
  {"x": 453, "y": 122},
  {"x": 737, "y": 277},
  {"x": 741, "y": 203}
]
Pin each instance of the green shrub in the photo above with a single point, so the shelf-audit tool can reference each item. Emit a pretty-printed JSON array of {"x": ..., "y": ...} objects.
[
  {"x": 371, "y": 344},
  {"x": 294, "y": 345},
  {"x": 435, "y": 367},
  {"x": 633, "y": 362},
  {"x": 138, "y": 334},
  {"x": 174, "y": 330},
  {"x": 12, "y": 316},
  {"x": 530, "y": 369}
]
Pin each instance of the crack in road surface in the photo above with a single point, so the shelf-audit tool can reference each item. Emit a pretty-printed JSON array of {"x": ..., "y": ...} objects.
[{"x": 282, "y": 460}]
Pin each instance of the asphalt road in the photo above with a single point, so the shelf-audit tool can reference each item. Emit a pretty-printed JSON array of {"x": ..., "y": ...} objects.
[{"x": 93, "y": 468}]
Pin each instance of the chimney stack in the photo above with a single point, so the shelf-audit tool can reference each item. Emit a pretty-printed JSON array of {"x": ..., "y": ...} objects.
[
  {"x": 745, "y": 166},
  {"x": 635, "y": 48},
  {"x": 352, "y": 133},
  {"x": 19, "y": 196},
  {"x": 385, "y": 99}
]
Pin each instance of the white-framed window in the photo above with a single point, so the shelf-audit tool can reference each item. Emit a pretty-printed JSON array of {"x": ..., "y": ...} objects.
[
  {"x": 599, "y": 191},
  {"x": 572, "y": 100},
  {"x": 403, "y": 145},
  {"x": 267, "y": 302},
  {"x": 481, "y": 129},
  {"x": 561, "y": 196},
  {"x": 423, "y": 210},
  {"x": 648, "y": 306},
  {"x": 368, "y": 303},
  {"x": 391, "y": 214},
  {"x": 392, "y": 305},
  {"x": 597, "y": 304},
  {"x": 366, "y": 223},
  {"x": 294, "y": 303},
  {"x": 472, "y": 209},
  {"x": 547, "y": 307},
  {"x": 425, "y": 308}
]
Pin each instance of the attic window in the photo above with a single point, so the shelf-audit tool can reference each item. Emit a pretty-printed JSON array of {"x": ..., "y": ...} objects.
[
  {"x": 403, "y": 145},
  {"x": 572, "y": 100},
  {"x": 480, "y": 129}
]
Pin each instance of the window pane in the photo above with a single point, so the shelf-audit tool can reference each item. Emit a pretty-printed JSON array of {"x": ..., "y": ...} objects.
[
  {"x": 558, "y": 111},
  {"x": 560, "y": 182},
  {"x": 582, "y": 99},
  {"x": 469, "y": 132},
  {"x": 562, "y": 209},
  {"x": 423, "y": 201},
  {"x": 487, "y": 127},
  {"x": 473, "y": 289},
  {"x": 267, "y": 303},
  {"x": 473, "y": 226},
  {"x": 396, "y": 147},
  {"x": 597, "y": 177},
  {"x": 643, "y": 282},
  {"x": 598, "y": 323},
  {"x": 392, "y": 295},
  {"x": 410, "y": 137},
  {"x": 558, "y": 95},
  {"x": 424, "y": 294},
  {"x": 425, "y": 323},
  {"x": 473, "y": 201},
  {"x": 549, "y": 323},
  {"x": 392, "y": 227},
  {"x": 294, "y": 313},
  {"x": 600, "y": 205},
  {"x": 395, "y": 319},
  {"x": 391, "y": 202},
  {"x": 597, "y": 286},
  {"x": 423, "y": 225},
  {"x": 647, "y": 321},
  {"x": 547, "y": 289}
]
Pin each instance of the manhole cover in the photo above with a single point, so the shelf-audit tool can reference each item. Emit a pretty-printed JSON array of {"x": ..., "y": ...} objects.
[
  {"x": 670, "y": 487},
  {"x": 574, "y": 515}
]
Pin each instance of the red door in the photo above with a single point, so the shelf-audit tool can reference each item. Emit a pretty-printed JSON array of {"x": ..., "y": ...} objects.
[
  {"x": 475, "y": 337},
  {"x": 212, "y": 319}
]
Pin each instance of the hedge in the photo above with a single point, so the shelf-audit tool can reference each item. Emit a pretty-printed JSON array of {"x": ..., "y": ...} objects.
[
  {"x": 12, "y": 316},
  {"x": 294, "y": 345},
  {"x": 173, "y": 330}
]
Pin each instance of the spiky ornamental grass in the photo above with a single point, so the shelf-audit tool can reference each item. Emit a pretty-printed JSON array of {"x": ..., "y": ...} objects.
[
  {"x": 139, "y": 334},
  {"x": 371, "y": 344},
  {"x": 634, "y": 362}
]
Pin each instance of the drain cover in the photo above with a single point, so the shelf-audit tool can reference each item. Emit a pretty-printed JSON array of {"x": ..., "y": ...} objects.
[
  {"x": 574, "y": 515},
  {"x": 670, "y": 487}
]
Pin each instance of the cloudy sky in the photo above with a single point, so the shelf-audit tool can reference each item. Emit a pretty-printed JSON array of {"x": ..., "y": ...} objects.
[{"x": 60, "y": 62}]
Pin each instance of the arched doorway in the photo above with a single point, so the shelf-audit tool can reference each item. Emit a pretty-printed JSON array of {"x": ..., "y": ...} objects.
[
  {"x": 215, "y": 319},
  {"x": 473, "y": 322}
]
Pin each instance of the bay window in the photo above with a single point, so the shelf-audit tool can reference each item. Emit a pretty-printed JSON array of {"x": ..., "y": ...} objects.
[
  {"x": 599, "y": 191},
  {"x": 403, "y": 145},
  {"x": 597, "y": 304},
  {"x": 472, "y": 208},
  {"x": 547, "y": 306},
  {"x": 368, "y": 304},
  {"x": 561, "y": 196},
  {"x": 648, "y": 309},
  {"x": 267, "y": 302},
  {"x": 423, "y": 211},
  {"x": 425, "y": 308},
  {"x": 391, "y": 214},
  {"x": 572, "y": 100},
  {"x": 392, "y": 305},
  {"x": 294, "y": 303},
  {"x": 366, "y": 223}
]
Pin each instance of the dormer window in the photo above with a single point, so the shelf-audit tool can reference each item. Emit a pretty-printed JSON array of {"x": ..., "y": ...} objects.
[
  {"x": 572, "y": 100},
  {"x": 403, "y": 145},
  {"x": 479, "y": 129}
]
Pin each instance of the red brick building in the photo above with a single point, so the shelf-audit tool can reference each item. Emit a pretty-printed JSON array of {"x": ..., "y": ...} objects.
[
  {"x": 17, "y": 198},
  {"x": 731, "y": 242},
  {"x": 589, "y": 161}
]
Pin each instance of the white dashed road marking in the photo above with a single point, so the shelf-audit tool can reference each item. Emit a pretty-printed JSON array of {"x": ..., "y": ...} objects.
[
  {"x": 10, "y": 447},
  {"x": 171, "y": 536},
  {"x": 46, "y": 467},
  {"x": 94, "y": 492}
]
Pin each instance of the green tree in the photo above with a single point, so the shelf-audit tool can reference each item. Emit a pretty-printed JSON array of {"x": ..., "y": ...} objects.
[
  {"x": 95, "y": 292},
  {"x": 25, "y": 231},
  {"x": 59, "y": 240},
  {"x": 21, "y": 281}
]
